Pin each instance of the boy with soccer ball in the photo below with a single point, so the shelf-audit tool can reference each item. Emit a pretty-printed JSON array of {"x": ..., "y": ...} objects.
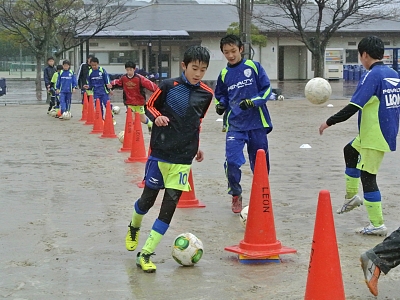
[
  {"x": 65, "y": 86},
  {"x": 176, "y": 108},
  {"x": 378, "y": 125}
]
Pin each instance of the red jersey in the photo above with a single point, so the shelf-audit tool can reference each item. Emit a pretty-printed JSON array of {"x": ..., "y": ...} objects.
[{"x": 133, "y": 88}]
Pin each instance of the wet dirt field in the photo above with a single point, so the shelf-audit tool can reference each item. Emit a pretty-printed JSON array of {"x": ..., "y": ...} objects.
[{"x": 66, "y": 200}]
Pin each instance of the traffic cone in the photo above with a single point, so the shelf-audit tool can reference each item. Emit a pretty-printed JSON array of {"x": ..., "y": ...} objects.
[
  {"x": 188, "y": 199},
  {"x": 90, "y": 112},
  {"x": 260, "y": 237},
  {"x": 98, "y": 125},
  {"x": 138, "y": 152},
  {"x": 108, "y": 131},
  {"x": 84, "y": 107},
  {"x": 128, "y": 134},
  {"x": 324, "y": 279}
]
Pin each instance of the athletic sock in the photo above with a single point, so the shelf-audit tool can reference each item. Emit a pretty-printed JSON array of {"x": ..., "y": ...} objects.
[
  {"x": 373, "y": 205},
  {"x": 352, "y": 176},
  {"x": 137, "y": 216},
  {"x": 155, "y": 236}
]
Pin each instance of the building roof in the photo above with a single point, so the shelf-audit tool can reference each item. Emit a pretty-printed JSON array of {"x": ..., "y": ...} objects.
[{"x": 215, "y": 18}]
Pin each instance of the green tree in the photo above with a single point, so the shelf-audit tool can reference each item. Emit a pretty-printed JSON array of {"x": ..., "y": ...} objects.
[
  {"x": 315, "y": 22},
  {"x": 256, "y": 37},
  {"x": 41, "y": 25}
]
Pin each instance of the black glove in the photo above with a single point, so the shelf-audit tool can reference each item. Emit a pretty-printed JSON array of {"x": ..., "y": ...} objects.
[
  {"x": 246, "y": 103},
  {"x": 219, "y": 109}
]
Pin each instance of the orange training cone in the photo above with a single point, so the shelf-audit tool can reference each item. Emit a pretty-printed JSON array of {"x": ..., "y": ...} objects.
[
  {"x": 108, "y": 131},
  {"x": 127, "y": 145},
  {"x": 324, "y": 279},
  {"x": 138, "y": 152},
  {"x": 90, "y": 112},
  {"x": 98, "y": 125},
  {"x": 84, "y": 107},
  {"x": 188, "y": 199},
  {"x": 260, "y": 237}
]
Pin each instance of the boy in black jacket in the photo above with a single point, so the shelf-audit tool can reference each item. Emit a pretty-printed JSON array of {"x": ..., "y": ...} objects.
[{"x": 176, "y": 109}]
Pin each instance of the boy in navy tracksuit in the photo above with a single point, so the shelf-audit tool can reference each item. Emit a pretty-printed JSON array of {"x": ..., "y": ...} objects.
[
  {"x": 242, "y": 90},
  {"x": 98, "y": 81},
  {"x": 65, "y": 86}
]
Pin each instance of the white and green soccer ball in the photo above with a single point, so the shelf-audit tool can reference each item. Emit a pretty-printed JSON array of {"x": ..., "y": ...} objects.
[
  {"x": 318, "y": 90},
  {"x": 187, "y": 249},
  {"x": 243, "y": 216}
]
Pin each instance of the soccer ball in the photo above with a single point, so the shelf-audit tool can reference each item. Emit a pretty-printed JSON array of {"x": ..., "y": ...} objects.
[
  {"x": 243, "y": 216},
  {"x": 318, "y": 90},
  {"x": 120, "y": 136},
  {"x": 116, "y": 109},
  {"x": 53, "y": 112},
  {"x": 281, "y": 98},
  {"x": 66, "y": 115},
  {"x": 187, "y": 249}
]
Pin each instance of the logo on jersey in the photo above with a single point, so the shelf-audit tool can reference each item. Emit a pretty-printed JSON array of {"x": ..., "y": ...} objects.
[
  {"x": 247, "y": 73},
  {"x": 241, "y": 84},
  {"x": 392, "y": 95},
  {"x": 392, "y": 81}
]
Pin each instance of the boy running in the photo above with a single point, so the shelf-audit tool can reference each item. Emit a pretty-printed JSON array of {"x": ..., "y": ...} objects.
[
  {"x": 176, "y": 109},
  {"x": 378, "y": 125},
  {"x": 242, "y": 91},
  {"x": 134, "y": 95}
]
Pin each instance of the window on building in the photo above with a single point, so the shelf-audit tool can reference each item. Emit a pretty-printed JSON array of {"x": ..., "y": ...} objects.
[
  {"x": 351, "y": 56},
  {"x": 102, "y": 56},
  {"x": 121, "y": 57}
]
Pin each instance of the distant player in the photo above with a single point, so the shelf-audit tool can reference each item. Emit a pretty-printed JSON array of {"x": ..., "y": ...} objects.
[
  {"x": 133, "y": 88},
  {"x": 55, "y": 101},
  {"x": 378, "y": 125},
  {"x": 66, "y": 85},
  {"x": 176, "y": 109}
]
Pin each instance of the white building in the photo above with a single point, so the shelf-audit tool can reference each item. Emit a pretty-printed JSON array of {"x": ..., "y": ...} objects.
[{"x": 169, "y": 28}]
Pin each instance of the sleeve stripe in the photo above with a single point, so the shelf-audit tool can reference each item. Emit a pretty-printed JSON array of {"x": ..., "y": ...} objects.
[
  {"x": 150, "y": 104},
  {"x": 206, "y": 87}
]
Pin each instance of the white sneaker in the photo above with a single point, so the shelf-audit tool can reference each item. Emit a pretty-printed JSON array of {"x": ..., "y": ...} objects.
[
  {"x": 350, "y": 204},
  {"x": 372, "y": 230}
]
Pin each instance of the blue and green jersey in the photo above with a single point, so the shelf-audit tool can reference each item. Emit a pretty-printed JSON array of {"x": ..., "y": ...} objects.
[
  {"x": 245, "y": 80},
  {"x": 378, "y": 97}
]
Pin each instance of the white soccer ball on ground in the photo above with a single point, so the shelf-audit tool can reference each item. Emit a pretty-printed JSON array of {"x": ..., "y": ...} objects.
[
  {"x": 121, "y": 135},
  {"x": 53, "y": 112},
  {"x": 281, "y": 98},
  {"x": 187, "y": 249},
  {"x": 66, "y": 115},
  {"x": 116, "y": 109},
  {"x": 318, "y": 90},
  {"x": 243, "y": 216}
]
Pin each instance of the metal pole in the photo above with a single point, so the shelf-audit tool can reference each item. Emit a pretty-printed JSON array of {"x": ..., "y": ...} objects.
[{"x": 20, "y": 60}]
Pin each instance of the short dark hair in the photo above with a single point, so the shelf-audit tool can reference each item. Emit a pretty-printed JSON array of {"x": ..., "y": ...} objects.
[
  {"x": 130, "y": 64},
  {"x": 94, "y": 59},
  {"x": 196, "y": 53},
  {"x": 373, "y": 46},
  {"x": 230, "y": 39},
  {"x": 66, "y": 62},
  {"x": 59, "y": 67},
  {"x": 50, "y": 58}
]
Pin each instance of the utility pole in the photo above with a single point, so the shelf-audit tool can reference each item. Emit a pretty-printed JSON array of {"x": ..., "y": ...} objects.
[{"x": 245, "y": 8}]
